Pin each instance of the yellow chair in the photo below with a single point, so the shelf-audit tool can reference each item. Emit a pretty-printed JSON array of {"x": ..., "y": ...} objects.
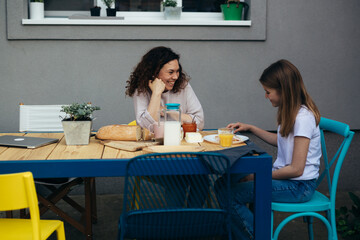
[{"x": 17, "y": 191}]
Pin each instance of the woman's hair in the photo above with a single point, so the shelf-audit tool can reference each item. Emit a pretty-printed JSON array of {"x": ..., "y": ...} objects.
[
  {"x": 148, "y": 69},
  {"x": 286, "y": 79}
]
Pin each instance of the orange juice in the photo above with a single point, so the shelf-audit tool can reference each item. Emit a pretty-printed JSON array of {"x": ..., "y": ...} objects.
[{"x": 226, "y": 139}]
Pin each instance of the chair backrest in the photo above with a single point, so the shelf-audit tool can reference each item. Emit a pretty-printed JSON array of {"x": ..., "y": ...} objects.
[
  {"x": 17, "y": 191},
  {"x": 335, "y": 161},
  {"x": 203, "y": 210},
  {"x": 40, "y": 118}
]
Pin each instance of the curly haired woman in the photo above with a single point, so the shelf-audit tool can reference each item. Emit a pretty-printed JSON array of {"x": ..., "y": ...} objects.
[{"x": 159, "y": 79}]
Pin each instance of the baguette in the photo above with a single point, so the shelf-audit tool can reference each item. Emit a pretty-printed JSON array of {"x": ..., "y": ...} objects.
[{"x": 120, "y": 133}]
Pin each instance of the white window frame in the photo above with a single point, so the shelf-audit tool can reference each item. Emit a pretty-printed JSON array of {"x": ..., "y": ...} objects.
[{"x": 120, "y": 30}]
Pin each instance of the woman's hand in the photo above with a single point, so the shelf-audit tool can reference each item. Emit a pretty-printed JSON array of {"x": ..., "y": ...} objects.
[
  {"x": 238, "y": 127},
  {"x": 157, "y": 86}
]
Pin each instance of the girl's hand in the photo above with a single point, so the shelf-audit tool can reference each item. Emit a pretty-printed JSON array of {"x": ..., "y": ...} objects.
[
  {"x": 157, "y": 86},
  {"x": 238, "y": 127}
]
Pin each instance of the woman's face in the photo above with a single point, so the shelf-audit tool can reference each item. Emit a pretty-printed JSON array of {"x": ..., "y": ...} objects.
[
  {"x": 272, "y": 95},
  {"x": 169, "y": 73}
]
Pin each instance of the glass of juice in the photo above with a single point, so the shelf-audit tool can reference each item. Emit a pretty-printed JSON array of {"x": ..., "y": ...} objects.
[
  {"x": 226, "y": 136},
  {"x": 189, "y": 127}
]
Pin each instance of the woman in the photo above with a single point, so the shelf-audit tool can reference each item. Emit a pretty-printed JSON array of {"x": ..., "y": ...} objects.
[
  {"x": 159, "y": 79},
  {"x": 298, "y": 140}
]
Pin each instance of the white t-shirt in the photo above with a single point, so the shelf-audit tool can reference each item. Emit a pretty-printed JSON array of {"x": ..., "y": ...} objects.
[{"x": 305, "y": 126}]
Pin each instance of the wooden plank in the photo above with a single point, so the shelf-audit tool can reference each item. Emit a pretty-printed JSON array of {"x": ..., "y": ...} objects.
[
  {"x": 110, "y": 152},
  {"x": 93, "y": 150}
]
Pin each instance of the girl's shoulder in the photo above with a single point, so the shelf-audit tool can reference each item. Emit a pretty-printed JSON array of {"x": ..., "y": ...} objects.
[
  {"x": 304, "y": 111},
  {"x": 305, "y": 114}
]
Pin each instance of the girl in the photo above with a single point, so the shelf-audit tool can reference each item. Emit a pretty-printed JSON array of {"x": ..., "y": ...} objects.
[{"x": 298, "y": 140}]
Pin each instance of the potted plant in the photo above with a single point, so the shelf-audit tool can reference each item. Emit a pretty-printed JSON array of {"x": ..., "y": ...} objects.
[
  {"x": 110, "y": 12},
  {"x": 234, "y": 9},
  {"x": 95, "y": 11},
  {"x": 171, "y": 11},
  {"x": 77, "y": 123},
  {"x": 37, "y": 9}
]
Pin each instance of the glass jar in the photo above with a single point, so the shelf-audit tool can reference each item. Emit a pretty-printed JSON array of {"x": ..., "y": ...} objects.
[{"x": 172, "y": 124}]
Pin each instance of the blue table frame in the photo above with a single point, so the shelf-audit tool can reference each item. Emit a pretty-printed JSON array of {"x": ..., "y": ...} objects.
[{"x": 259, "y": 165}]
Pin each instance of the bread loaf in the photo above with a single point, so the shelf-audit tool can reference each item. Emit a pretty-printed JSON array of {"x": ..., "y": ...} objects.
[
  {"x": 146, "y": 134},
  {"x": 120, "y": 133}
]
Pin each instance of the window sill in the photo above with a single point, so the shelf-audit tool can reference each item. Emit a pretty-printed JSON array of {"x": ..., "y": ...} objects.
[{"x": 149, "y": 19}]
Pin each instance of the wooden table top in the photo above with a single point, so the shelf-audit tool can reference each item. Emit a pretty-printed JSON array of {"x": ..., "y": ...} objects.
[{"x": 95, "y": 149}]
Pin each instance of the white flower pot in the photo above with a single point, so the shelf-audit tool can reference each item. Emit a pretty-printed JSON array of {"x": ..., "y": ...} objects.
[
  {"x": 77, "y": 132},
  {"x": 36, "y": 10},
  {"x": 172, "y": 13}
]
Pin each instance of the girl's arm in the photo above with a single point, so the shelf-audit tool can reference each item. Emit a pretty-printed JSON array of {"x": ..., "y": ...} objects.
[
  {"x": 297, "y": 166},
  {"x": 268, "y": 137}
]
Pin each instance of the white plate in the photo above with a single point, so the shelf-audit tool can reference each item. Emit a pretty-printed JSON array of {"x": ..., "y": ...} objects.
[{"x": 213, "y": 138}]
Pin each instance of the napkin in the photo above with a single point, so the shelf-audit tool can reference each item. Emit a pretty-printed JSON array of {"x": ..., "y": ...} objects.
[{"x": 235, "y": 154}]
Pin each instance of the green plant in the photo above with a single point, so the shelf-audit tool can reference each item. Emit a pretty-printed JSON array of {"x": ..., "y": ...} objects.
[
  {"x": 108, "y": 3},
  {"x": 78, "y": 112},
  {"x": 348, "y": 221},
  {"x": 170, "y": 3}
]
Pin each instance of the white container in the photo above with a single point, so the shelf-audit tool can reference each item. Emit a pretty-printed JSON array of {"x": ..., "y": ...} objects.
[
  {"x": 37, "y": 10},
  {"x": 172, "y": 124},
  {"x": 172, "y": 133}
]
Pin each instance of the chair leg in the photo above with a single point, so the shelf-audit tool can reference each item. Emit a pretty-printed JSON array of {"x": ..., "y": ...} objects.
[
  {"x": 304, "y": 214},
  {"x": 62, "y": 214},
  {"x": 309, "y": 221}
]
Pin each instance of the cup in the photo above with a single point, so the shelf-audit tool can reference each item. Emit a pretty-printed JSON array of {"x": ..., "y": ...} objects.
[
  {"x": 226, "y": 136},
  {"x": 158, "y": 130},
  {"x": 189, "y": 127}
]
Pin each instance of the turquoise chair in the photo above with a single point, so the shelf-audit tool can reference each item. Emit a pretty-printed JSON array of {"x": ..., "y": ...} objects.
[
  {"x": 320, "y": 202},
  {"x": 155, "y": 216}
]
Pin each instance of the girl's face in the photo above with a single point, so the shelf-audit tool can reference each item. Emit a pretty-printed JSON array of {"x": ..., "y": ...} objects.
[
  {"x": 169, "y": 73},
  {"x": 272, "y": 95}
]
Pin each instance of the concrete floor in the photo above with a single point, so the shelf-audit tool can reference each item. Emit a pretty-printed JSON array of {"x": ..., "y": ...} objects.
[{"x": 109, "y": 209}]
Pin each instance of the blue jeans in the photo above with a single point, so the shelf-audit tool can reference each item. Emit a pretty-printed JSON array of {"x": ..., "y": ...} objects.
[{"x": 242, "y": 217}]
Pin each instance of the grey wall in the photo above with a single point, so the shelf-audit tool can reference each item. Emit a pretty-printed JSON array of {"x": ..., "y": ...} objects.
[{"x": 322, "y": 38}]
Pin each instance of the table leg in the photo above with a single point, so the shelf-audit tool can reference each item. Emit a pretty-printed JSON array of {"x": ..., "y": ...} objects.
[
  {"x": 262, "y": 204},
  {"x": 88, "y": 207}
]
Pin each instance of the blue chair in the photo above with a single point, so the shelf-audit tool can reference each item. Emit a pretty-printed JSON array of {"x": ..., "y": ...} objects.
[
  {"x": 320, "y": 202},
  {"x": 155, "y": 216}
]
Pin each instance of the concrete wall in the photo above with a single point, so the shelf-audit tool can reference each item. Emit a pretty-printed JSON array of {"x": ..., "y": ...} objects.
[{"x": 322, "y": 38}]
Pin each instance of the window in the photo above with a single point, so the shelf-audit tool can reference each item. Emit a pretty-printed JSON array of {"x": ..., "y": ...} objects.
[
  {"x": 193, "y": 26},
  {"x": 65, "y": 8}
]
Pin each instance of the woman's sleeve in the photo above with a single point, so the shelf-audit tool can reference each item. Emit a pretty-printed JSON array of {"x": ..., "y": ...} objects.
[
  {"x": 194, "y": 108},
  {"x": 143, "y": 117}
]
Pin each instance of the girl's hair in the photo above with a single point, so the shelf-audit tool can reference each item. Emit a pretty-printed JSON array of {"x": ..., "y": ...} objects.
[
  {"x": 148, "y": 69},
  {"x": 286, "y": 79}
]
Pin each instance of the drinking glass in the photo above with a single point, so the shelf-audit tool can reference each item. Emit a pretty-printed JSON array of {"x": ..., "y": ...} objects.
[{"x": 226, "y": 136}]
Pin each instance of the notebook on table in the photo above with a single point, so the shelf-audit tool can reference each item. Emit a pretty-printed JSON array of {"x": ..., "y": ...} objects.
[{"x": 25, "y": 142}]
